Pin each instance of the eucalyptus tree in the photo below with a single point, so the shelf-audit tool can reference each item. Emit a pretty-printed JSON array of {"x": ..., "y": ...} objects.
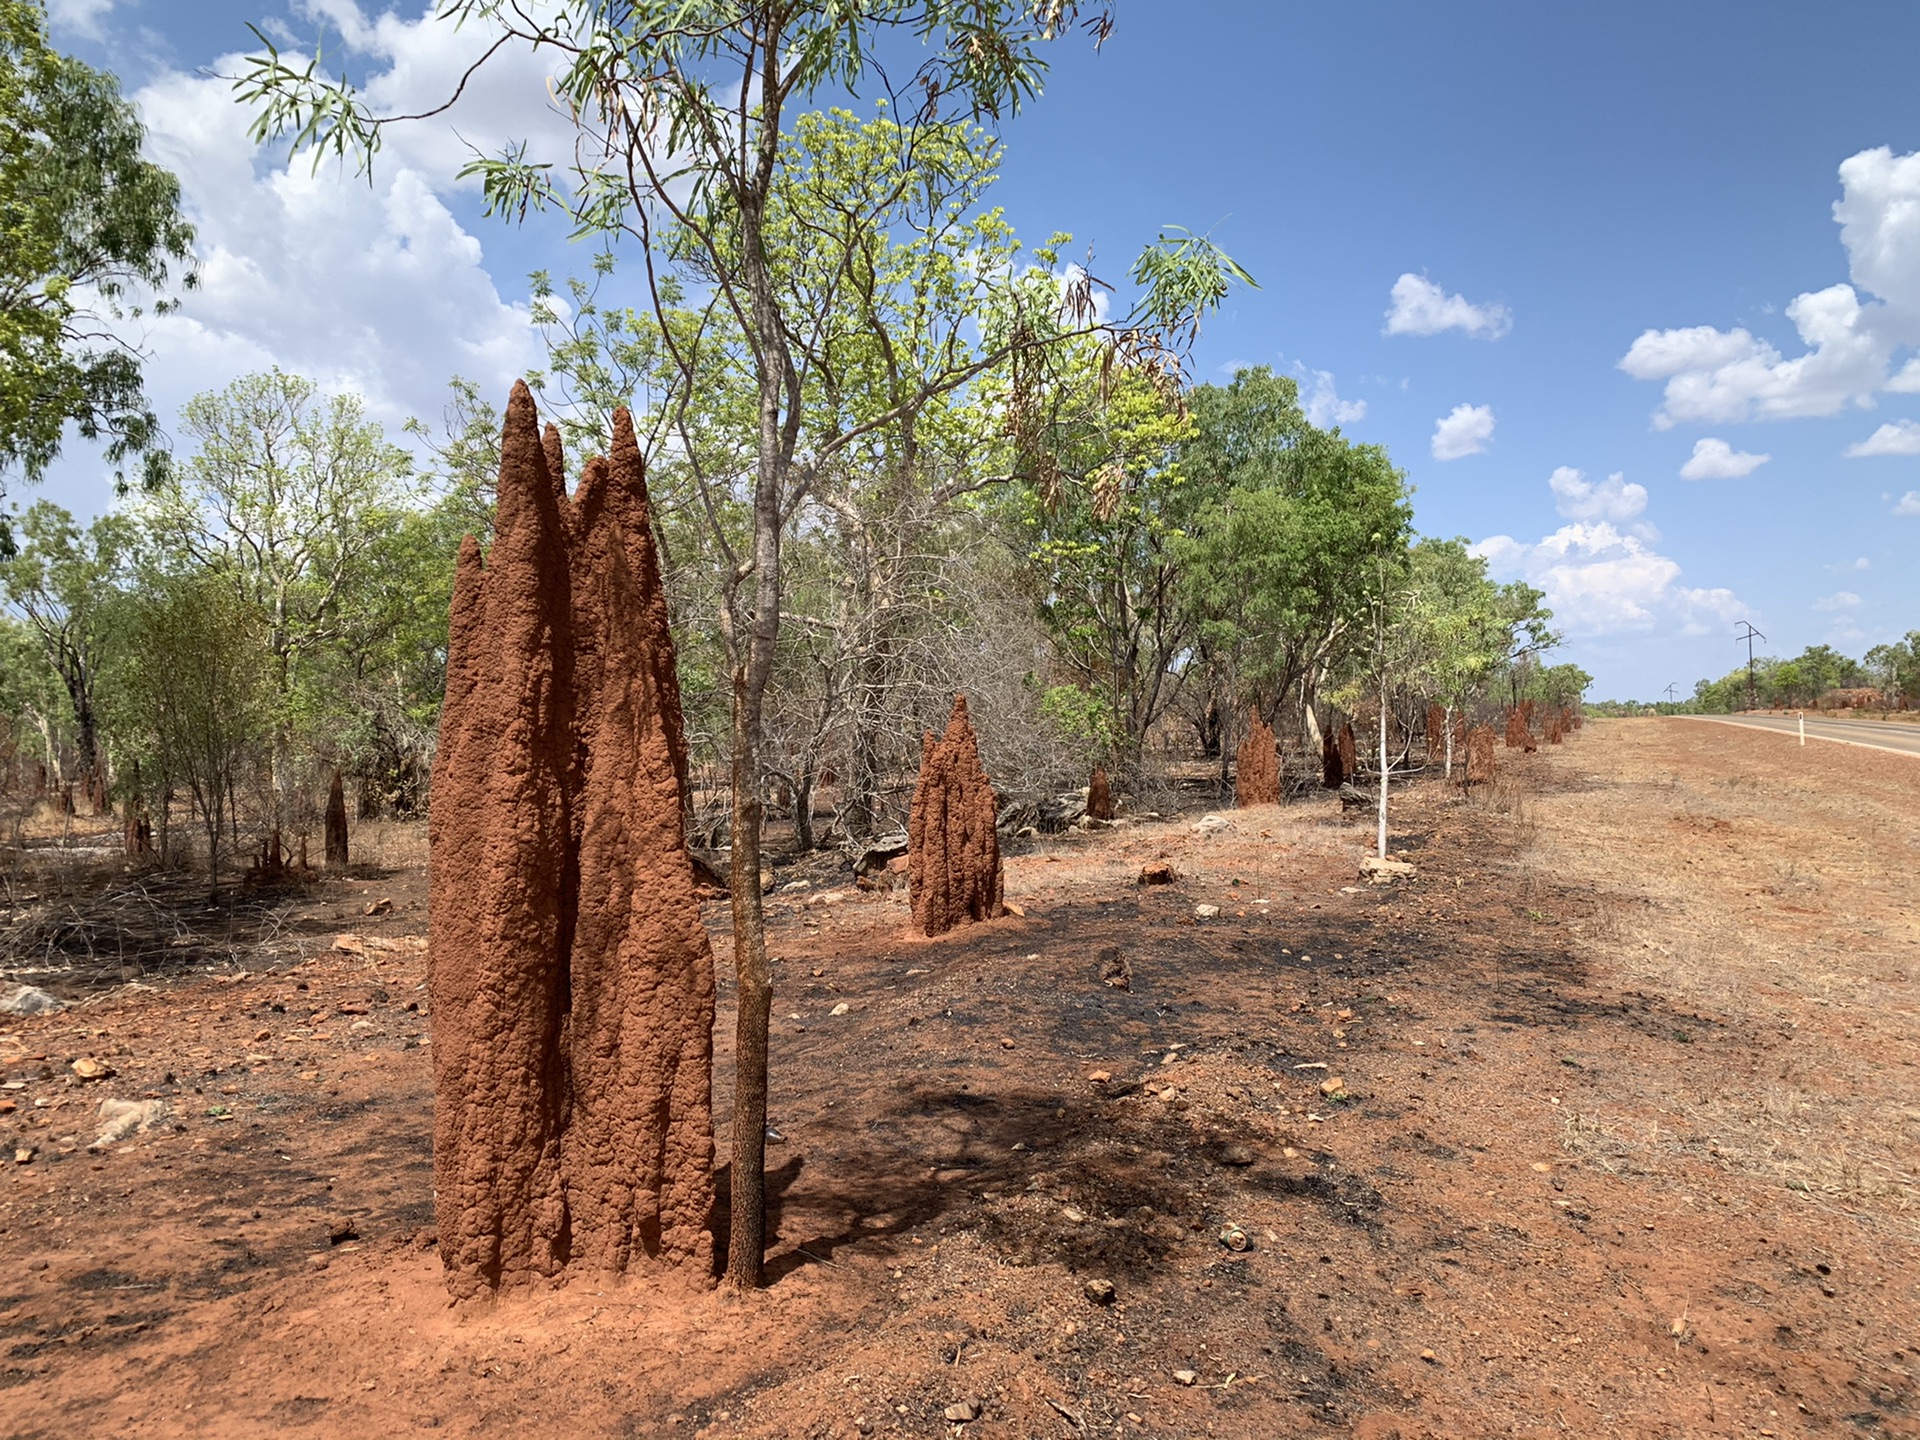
[
  {"x": 89, "y": 229},
  {"x": 195, "y": 681},
  {"x": 63, "y": 583},
  {"x": 283, "y": 501},
  {"x": 1283, "y": 570},
  {"x": 1465, "y": 624},
  {"x": 684, "y": 112}
]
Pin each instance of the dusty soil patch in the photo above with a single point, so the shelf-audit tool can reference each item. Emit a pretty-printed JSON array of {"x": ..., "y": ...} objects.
[{"x": 1538, "y": 1200}]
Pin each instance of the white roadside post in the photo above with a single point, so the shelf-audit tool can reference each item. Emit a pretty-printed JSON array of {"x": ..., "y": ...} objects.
[{"x": 1803, "y": 729}]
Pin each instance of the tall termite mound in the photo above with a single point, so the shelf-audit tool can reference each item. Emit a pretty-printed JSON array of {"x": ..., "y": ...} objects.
[
  {"x": 1256, "y": 772},
  {"x": 570, "y": 978},
  {"x": 1480, "y": 755},
  {"x": 1519, "y": 732},
  {"x": 1099, "y": 795},
  {"x": 336, "y": 823},
  {"x": 953, "y": 854},
  {"x": 1436, "y": 731}
]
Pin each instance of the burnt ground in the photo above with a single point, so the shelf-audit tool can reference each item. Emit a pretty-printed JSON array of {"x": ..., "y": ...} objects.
[{"x": 1622, "y": 1144}]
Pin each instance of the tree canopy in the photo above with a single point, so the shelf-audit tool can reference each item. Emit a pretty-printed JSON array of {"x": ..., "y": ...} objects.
[{"x": 89, "y": 232}]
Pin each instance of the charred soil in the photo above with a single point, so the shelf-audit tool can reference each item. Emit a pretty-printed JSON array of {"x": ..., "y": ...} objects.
[{"x": 1602, "y": 1124}]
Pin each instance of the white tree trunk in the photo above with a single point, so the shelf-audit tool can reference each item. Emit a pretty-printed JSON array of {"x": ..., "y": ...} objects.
[
  {"x": 1383, "y": 773},
  {"x": 1449, "y": 742}
]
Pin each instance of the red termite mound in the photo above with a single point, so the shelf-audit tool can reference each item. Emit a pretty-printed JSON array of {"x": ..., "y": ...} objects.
[
  {"x": 953, "y": 854},
  {"x": 1519, "y": 733},
  {"x": 1333, "y": 773},
  {"x": 1553, "y": 726},
  {"x": 1480, "y": 755},
  {"x": 1256, "y": 774},
  {"x": 1349, "y": 752},
  {"x": 1099, "y": 795},
  {"x": 570, "y": 978},
  {"x": 1436, "y": 731},
  {"x": 336, "y": 823}
]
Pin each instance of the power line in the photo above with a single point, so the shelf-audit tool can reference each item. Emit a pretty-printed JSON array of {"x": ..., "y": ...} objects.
[
  {"x": 1670, "y": 694},
  {"x": 1751, "y": 635}
]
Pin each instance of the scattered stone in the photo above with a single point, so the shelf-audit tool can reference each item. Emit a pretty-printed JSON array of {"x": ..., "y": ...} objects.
[
  {"x": 1256, "y": 776},
  {"x": 1234, "y": 1153},
  {"x": 1430, "y": 1357},
  {"x": 28, "y": 1000},
  {"x": 121, "y": 1118},
  {"x": 1208, "y": 825},
  {"x": 341, "y": 1229},
  {"x": 1206, "y": 912},
  {"x": 840, "y": 1009},
  {"x": 953, "y": 875},
  {"x": 1158, "y": 873},
  {"x": 23, "y": 1154},
  {"x": 1332, "y": 1086},
  {"x": 382, "y": 906},
  {"x": 1115, "y": 971},
  {"x": 1099, "y": 1077},
  {"x": 1012, "y": 909},
  {"x": 1006, "y": 1042},
  {"x": 1100, "y": 1292},
  {"x": 1073, "y": 1216},
  {"x": 1385, "y": 871},
  {"x": 1186, "y": 1377},
  {"x": 962, "y": 1412},
  {"x": 88, "y": 1068}
]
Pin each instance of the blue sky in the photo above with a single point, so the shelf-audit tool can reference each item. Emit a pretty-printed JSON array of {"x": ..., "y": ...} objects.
[{"x": 1549, "y": 255}]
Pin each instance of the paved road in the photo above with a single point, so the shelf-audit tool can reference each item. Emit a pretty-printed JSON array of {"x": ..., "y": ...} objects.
[{"x": 1892, "y": 735}]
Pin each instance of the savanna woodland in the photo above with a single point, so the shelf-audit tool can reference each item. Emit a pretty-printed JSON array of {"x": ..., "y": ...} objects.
[{"x": 502, "y": 858}]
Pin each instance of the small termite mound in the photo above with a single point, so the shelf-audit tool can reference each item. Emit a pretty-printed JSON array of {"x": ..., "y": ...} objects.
[
  {"x": 953, "y": 853},
  {"x": 1256, "y": 774}
]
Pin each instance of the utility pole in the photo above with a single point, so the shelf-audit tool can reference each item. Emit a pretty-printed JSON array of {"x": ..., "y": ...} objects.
[
  {"x": 1670, "y": 694},
  {"x": 1751, "y": 635}
]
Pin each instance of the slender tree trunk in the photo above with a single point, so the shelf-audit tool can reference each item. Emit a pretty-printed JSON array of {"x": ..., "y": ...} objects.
[
  {"x": 747, "y": 1231},
  {"x": 803, "y": 808},
  {"x": 1449, "y": 773},
  {"x": 1383, "y": 772}
]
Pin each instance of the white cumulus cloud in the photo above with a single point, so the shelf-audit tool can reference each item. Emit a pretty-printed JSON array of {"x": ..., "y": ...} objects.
[
  {"x": 1908, "y": 504},
  {"x": 1602, "y": 576},
  {"x": 1421, "y": 307},
  {"x": 1718, "y": 376},
  {"x": 1465, "y": 430},
  {"x": 370, "y": 288},
  {"x": 1613, "y": 498},
  {"x": 1717, "y": 460},
  {"x": 82, "y": 17},
  {"x": 1322, "y": 403},
  {"x": 1839, "y": 600},
  {"x": 1896, "y": 437}
]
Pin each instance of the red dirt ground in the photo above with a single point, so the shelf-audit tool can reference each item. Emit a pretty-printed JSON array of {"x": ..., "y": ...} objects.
[{"x": 1570, "y": 1184}]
